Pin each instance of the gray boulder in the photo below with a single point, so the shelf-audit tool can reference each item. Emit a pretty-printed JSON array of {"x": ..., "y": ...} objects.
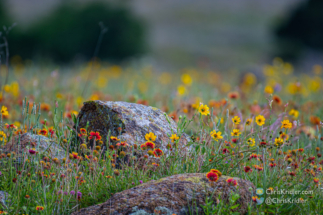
[{"x": 129, "y": 122}]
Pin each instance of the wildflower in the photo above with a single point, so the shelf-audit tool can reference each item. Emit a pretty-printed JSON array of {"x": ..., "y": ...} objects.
[
  {"x": 51, "y": 131},
  {"x": 72, "y": 192},
  {"x": 4, "y": 111},
  {"x": 174, "y": 137},
  {"x": 150, "y": 145},
  {"x": 114, "y": 138},
  {"x": 233, "y": 95},
  {"x": 213, "y": 177},
  {"x": 95, "y": 135},
  {"x": 39, "y": 208},
  {"x": 278, "y": 141},
  {"x": 236, "y": 120},
  {"x": 232, "y": 182},
  {"x": 155, "y": 164},
  {"x": 3, "y": 136},
  {"x": 235, "y": 132},
  {"x": 225, "y": 150},
  {"x": 216, "y": 135},
  {"x": 158, "y": 152},
  {"x": 251, "y": 142},
  {"x": 122, "y": 154},
  {"x": 260, "y": 120},
  {"x": 247, "y": 169},
  {"x": 217, "y": 172},
  {"x": 292, "y": 173},
  {"x": 143, "y": 146},
  {"x": 140, "y": 181},
  {"x": 32, "y": 151},
  {"x": 43, "y": 132},
  {"x": 83, "y": 131},
  {"x": 150, "y": 136},
  {"x": 272, "y": 165},
  {"x": 284, "y": 136},
  {"x": 204, "y": 109},
  {"x": 277, "y": 100},
  {"x": 268, "y": 90},
  {"x": 181, "y": 90},
  {"x": 79, "y": 195},
  {"x": 286, "y": 124},
  {"x": 294, "y": 113},
  {"x": 255, "y": 199},
  {"x": 249, "y": 121},
  {"x": 186, "y": 79}
]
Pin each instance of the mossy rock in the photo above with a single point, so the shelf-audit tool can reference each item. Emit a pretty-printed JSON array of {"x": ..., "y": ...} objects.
[{"x": 177, "y": 194}]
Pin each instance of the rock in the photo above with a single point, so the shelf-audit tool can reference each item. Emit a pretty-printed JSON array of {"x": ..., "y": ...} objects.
[
  {"x": 41, "y": 143},
  {"x": 3, "y": 198},
  {"x": 177, "y": 194},
  {"x": 128, "y": 121}
]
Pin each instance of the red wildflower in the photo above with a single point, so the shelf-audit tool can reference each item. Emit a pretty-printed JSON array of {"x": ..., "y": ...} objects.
[
  {"x": 95, "y": 135},
  {"x": 272, "y": 165},
  {"x": 150, "y": 145},
  {"x": 232, "y": 182},
  {"x": 225, "y": 150},
  {"x": 43, "y": 132},
  {"x": 158, "y": 152},
  {"x": 83, "y": 131},
  {"x": 247, "y": 169},
  {"x": 213, "y": 177}
]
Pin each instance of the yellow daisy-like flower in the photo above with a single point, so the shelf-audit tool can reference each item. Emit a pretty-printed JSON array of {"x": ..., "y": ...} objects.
[
  {"x": 204, "y": 109},
  {"x": 150, "y": 136},
  {"x": 260, "y": 120},
  {"x": 294, "y": 113},
  {"x": 249, "y": 121},
  {"x": 216, "y": 135},
  {"x": 174, "y": 137},
  {"x": 3, "y": 137},
  {"x": 4, "y": 111},
  {"x": 235, "y": 132},
  {"x": 236, "y": 120},
  {"x": 286, "y": 124},
  {"x": 251, "y": 142},
  {"x": 279, "y": 141}
]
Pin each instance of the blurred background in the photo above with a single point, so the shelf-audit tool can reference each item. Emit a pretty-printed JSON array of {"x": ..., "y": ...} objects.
[{"x": 167, "y": 34}]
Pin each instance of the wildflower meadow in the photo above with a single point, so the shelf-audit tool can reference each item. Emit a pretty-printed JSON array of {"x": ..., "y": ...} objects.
[{"x": 261, "y": 127}]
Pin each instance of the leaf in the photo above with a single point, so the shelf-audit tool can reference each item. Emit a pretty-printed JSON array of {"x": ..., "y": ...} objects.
[{"x": 234, "y": 206}]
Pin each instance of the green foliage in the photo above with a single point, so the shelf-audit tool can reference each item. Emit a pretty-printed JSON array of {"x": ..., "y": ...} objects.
[
  {"x": 303, "y": 28},
  {"x": 72, "y": 32},
  {"x": 4, "y": 19}
]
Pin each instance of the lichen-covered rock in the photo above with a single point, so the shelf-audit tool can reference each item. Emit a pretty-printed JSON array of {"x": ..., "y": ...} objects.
[
  {"x": 128, "y": 121},
  {"x": 177, "y": 194},
  {"x": 3, "y": 198},
  {"x": 41, "y": 143}
]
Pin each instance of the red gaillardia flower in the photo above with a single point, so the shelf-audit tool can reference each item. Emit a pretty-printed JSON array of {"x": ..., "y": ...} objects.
[
  {"x": 232, "y": 182},
  {"x": 43, "y": 132},
  {"x": 32, "y": 151},
  {"x": 143, "y": 146},
  {"x": 95, "y": 135},
  {"x": 212, "y": 176},
  {"x": 216, "y": 171},
  {"x": 247, "y": 169},
  {"x": 150, "y": 145},
  {"x": 83, "y": 131},
  {"x": 158, "y": 152}
]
